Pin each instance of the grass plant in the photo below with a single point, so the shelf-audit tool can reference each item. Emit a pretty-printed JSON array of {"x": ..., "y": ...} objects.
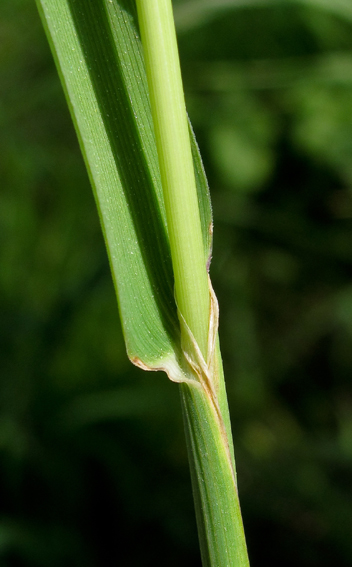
[
  {"x": 119, "y": 67},
  {"x": 93, "y": 462}
]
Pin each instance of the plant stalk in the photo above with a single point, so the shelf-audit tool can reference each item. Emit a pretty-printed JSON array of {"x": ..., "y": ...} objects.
[
  {"x": 204, "y": 405},
  {"x": 176, "y": 165}
]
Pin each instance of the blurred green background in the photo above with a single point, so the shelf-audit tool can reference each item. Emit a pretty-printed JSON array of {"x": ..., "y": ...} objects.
[{"x": 93, "y": 465}]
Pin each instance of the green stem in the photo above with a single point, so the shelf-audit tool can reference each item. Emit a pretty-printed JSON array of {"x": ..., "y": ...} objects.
[
  {"x": 204, "y": 404},
  {"x": 176, "y": 165}
]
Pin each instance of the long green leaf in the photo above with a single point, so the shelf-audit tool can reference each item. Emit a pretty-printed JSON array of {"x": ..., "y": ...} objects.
[{"x": 99, "y": 57}]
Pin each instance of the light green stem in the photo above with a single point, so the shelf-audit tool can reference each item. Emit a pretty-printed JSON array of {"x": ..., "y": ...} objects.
[
  {"x": 176, "y": 165},
  {"x": 204, "y": 404}
]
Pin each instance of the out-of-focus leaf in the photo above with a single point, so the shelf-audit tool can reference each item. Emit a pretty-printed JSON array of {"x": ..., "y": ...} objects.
[
  {"x": 323, "y": 125},
  {"x": 193, "y": 13}
]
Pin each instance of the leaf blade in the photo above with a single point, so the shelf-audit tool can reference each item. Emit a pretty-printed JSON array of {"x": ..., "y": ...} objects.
[{"x": 99, "y": 57}]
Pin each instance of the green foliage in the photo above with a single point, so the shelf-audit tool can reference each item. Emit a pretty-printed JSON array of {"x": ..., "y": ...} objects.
[{"x": 281, "y": 269}]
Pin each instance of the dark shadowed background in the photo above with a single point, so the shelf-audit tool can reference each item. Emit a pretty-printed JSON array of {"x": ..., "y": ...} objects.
[{"x": 93, "y": 465}]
